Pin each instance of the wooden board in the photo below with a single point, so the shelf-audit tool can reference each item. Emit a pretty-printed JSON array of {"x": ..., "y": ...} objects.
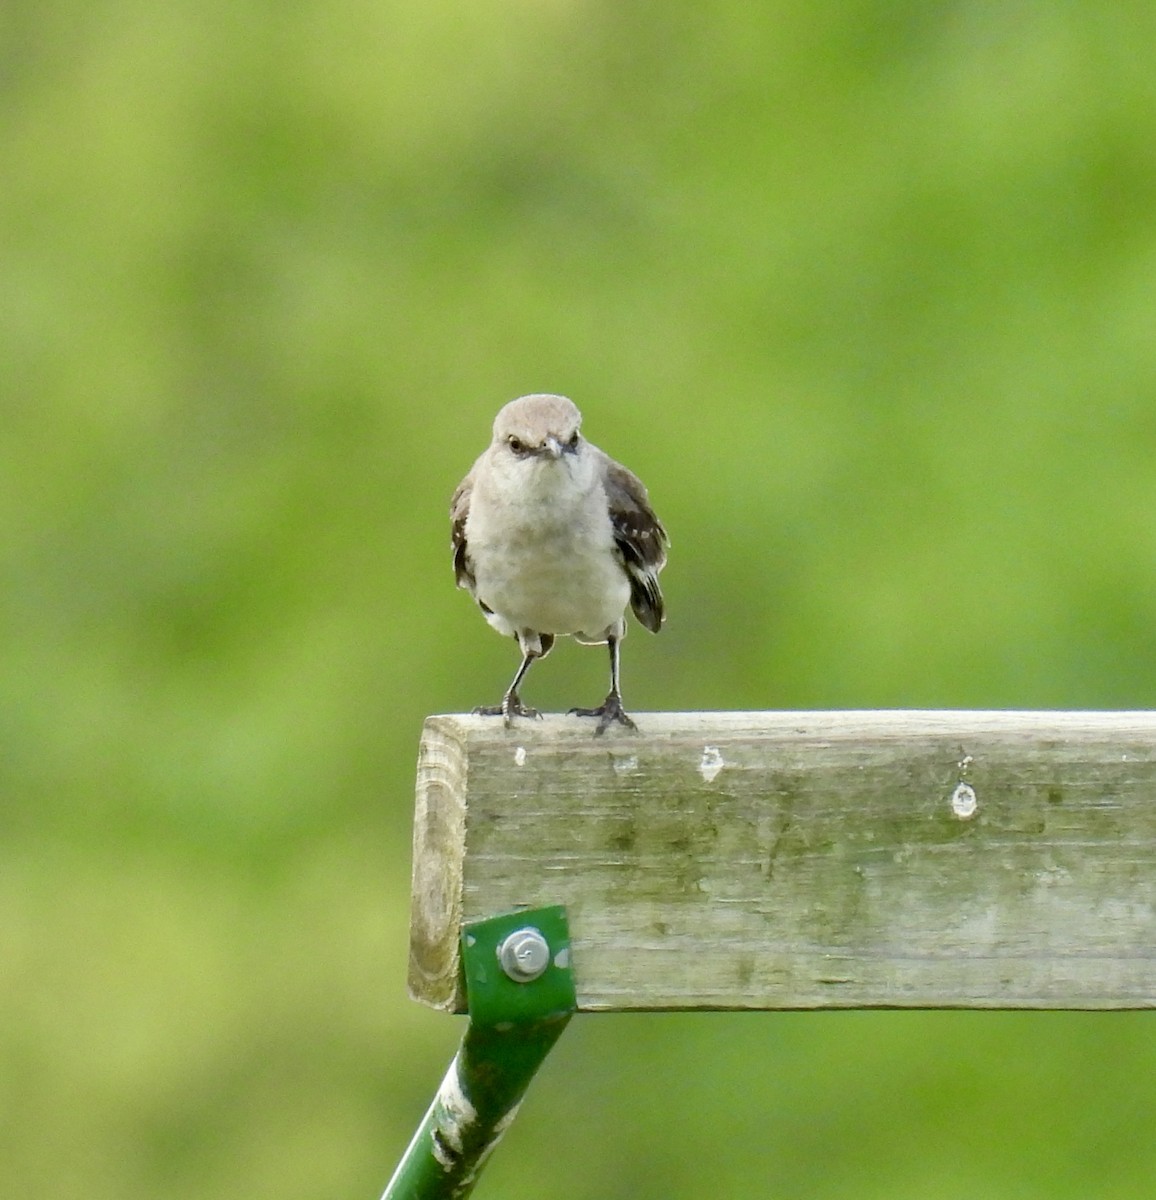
[{"x": 773, "y": 860}]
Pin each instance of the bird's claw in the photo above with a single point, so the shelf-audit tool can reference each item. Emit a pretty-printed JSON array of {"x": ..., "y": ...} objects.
[
  {"x": 510, "y": 707},
  {"x": 608, "y": 712}
]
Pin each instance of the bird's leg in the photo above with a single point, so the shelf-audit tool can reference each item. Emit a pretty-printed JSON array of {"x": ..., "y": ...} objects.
[
  {"x": 512, "y": 705},
  {"x": 610, "y": 710}
]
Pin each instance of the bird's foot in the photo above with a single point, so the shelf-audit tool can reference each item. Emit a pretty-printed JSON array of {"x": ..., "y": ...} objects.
[
  {"x": 609, "y": 711},
  {"x": 510, "y": 707}
]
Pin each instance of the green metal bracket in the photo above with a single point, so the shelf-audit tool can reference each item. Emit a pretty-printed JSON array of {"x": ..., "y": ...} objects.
[{"x": 520, "y": 995}]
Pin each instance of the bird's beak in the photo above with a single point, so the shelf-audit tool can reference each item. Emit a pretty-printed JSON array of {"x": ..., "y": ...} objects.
[{"x": 552, "y": 446}]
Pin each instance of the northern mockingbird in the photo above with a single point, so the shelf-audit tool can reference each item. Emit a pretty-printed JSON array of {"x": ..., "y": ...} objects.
[{"x": 551, "y": 536}]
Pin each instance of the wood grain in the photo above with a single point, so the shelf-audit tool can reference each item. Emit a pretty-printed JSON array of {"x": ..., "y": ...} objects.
[{"x": 774, "y": 860}]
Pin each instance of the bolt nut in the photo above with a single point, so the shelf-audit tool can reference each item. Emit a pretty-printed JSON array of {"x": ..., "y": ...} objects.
[{"x": 524, "y": 955}]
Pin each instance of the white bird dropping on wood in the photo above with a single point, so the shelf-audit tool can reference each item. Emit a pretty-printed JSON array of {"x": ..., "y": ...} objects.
[{"x": 964, "y": 801}]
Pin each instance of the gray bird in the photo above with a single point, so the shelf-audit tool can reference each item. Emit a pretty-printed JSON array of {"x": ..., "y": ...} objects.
[{"x": 552, "y": 537}]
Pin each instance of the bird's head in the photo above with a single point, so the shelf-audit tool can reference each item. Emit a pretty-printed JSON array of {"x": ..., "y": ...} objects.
[{"x": 541, "y": 427}]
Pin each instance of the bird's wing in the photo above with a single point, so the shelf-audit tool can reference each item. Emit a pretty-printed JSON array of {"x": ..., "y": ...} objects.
[
  {"x": 640, "y": 538},
  {"x": 459, "y": 511}
]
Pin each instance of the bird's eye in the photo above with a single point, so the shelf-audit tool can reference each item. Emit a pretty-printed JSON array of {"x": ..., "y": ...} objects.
[
  {"x": 515, "y": 444},
  {"x": 573, "y": 442}
]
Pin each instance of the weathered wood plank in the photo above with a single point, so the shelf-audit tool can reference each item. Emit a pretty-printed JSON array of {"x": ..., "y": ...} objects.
[{"x": 802, "y": 859}]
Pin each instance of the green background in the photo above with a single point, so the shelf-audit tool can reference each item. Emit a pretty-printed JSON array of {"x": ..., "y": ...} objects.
[{"x": 865, "y": 291}]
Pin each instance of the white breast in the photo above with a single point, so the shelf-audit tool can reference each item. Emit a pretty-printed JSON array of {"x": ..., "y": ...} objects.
[{"x": 542, "y": 549}]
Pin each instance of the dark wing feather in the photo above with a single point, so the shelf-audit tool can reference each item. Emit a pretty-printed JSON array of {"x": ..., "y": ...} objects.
[
  {"x": 459, "y": 511},
  {"x": 641, "y": 541}
]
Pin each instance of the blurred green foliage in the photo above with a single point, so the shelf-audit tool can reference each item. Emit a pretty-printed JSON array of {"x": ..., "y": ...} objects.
[{"x": 867, "y": 294}]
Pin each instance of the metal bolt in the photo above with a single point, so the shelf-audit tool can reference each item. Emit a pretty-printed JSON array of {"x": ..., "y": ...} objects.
[{"x": 524, "y": 955}]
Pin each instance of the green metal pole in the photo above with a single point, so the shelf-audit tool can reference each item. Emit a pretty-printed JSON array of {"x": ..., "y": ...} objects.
[{"x": 520, "y": 993}]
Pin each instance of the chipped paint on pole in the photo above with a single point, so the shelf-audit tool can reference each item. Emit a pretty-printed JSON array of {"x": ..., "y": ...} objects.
[{"x": 514, "y": 1021}]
